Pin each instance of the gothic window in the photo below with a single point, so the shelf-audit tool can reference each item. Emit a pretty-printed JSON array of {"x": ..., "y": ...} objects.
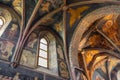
[
  {"x": 1, "y": 22},
  {"x": 43, "y": 53}
]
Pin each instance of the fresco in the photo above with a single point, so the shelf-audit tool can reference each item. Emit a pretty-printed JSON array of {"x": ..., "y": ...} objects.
[
  {"x": 8, "y": 41},
  {"x": 6, "y": 49},
  {"x": 12, "y": 32},
  {"x": 8, "y": 73},
  {"x": 50, "y": 5},
  {"x": 15, "y": 4},
  {"x": 18, "y": 6},
  {"x": 111, "y": 28},
  {"x": 29, "y": 7},
  {"x": 75, "y": 14},
  {"x": 73, "y": 19},
  {"x": 63, "y": 70},
  {"x": 97, "y": 41},
  {"x": 28, "y": 57},
  {"x": 60, "y": 52}
]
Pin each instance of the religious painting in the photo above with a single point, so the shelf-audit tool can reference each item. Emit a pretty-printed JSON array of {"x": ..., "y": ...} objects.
[
  {"x": 63, "y": 70},
  {"x": 18, "y": 6},
  {"x": 6, "y": 49},
  {"x": 18, "y": 76},
  {"x": 28, "y": 58},
  {"x": 12, "y": 32},
  {"x": 60, "y": 52},
  {"x": 5, "y": 19},
  {"x": 111, "y": 28},
  {"x": 58, "y": 24},
  {"x": 75, "y": 14},
  {"x": 96, "y": 40},
  {"x": 32, "y": 40},
  {"x": 50, "y": 5}
]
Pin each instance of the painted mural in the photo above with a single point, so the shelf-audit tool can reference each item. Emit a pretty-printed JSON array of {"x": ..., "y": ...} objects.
[
  {"x": 62, "y": 66},
  {"x": 9, "y": 34},
  {"x": 18, "y": 6},
  {"x": 111, "y": 28},
  {"x": 8, "y": 73},
  {"x": 75, "y": 14},
  {"x": 28, "y": 57},
  {"x": 6, "y": 49},
  {"x": 58, "y": 25},
  {"x": 29, "y": 8},
  {"x": 63, "y": 70},
  {"x": 50, "y": 5},
  {"x": 60, "y": 52},
  {"x": 15, "y": 4},
  {"x": 98, "y": 41},
  {"x": 9, "y": 40}
]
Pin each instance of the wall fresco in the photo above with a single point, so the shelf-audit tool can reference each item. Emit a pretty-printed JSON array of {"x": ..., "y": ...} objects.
[
  {"x": 63, "y": 70},
  {"x": 50, "y": 5},
  {"x": 18, "y": 6},
  {"x": 8, "y": 73},
  {"x": 111, "y": 28},
  {"x": 28, "y": 57}
]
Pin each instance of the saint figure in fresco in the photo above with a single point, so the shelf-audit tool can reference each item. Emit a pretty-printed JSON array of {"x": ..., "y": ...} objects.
[
  {"x": 17, "y": 4},
  {"x": 28, "y": 58},
  {"x": 63, "y": 70},
  {"x": 112, "y": 30},
  {"x": 32, "y": 40},
  {"x": 12, "y": 32},
  {"x": 60, "y": 52},
  {"x": 6, "y": 49}
]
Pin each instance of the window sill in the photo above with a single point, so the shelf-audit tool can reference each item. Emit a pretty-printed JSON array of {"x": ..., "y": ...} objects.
[{"x": 47, "y": 71}]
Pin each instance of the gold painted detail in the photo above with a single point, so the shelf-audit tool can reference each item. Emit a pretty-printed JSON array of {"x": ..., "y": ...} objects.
[{"x": 75, "y": 14}]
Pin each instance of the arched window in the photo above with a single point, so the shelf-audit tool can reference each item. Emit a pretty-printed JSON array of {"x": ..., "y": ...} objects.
[
  {"x": 43, "y": 53},
  {"x": 47, "y": 55},
  {"x": 1, "y": 22}
]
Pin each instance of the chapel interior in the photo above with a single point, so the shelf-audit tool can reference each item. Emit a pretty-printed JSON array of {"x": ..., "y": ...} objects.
[{"x": 59, "y": 39}]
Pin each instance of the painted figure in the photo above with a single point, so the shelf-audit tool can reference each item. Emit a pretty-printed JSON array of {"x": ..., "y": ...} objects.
[
  {"x": 32, "y": 40},
  {"x": 17, "y": 4},
  {"x": 6, "y": 49},
  {"x": 63, "y": 70},
  {"x": 60, "y": 52},
  {"x": 12, "y": 32},
  {"x": 28, "y": 58}
]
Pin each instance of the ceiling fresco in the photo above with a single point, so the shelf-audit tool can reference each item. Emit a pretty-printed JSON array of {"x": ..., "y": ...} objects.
[
  {"x": 24, "y": 22},
  {"x": 16, "y": 4},
  {"x": 75, "y": 14}
]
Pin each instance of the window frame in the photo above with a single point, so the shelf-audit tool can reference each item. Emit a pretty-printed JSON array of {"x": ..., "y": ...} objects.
[{"x": 47, "y": 59}]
